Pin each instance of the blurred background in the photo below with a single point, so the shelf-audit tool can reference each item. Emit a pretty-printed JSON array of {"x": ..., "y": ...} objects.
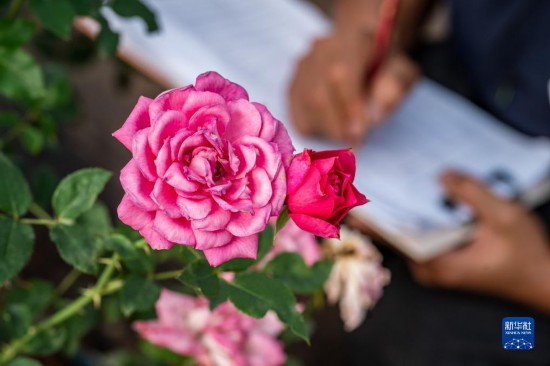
[{"x": 94, "y": 98}]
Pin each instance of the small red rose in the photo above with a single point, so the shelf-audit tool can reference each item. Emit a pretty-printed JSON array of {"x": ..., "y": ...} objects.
[{"x": 320, "y": 190}]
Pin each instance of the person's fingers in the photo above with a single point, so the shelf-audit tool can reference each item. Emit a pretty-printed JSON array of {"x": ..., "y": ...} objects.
[
  {"x": 449, "y": 269},
  {"x": 479, "y": 197},
  {"x": 346, "y": 94},
  {"x": 389, "y": 86}
]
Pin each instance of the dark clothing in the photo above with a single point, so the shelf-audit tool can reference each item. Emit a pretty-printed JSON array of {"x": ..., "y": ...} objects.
[
  {"x": 505, "y": 48},
  {"x": 499, "y": 57}
]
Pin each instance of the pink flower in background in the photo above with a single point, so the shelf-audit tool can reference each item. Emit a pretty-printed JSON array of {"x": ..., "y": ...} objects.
[
  {"x": 293, "y": 239},
  {"x": 321, "y": 191},
  {"x": 208, "y": 169},
  {"x": 357, "y": 277},
  {"x": 223, "y": 337}
]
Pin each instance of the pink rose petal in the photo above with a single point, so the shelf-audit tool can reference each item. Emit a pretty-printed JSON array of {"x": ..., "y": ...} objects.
[
  {"x": 155, "y": 240},
  {"x": 138, "y": 119},
  {"x": 245, "y": 120},
  {"x": 137, "y": 187},
  {"x": 246, "y": 247},
  {"x": 214, "y": 82},
  {"x": 168, "y": 124},
  {"x": 212, "y": 239},
  {"x": 166, "y": 198},
  {"x": 175, "y": 230},
  {"x": 133, "y": 216},
  {"x": 143, "y": 156},
  {"x": 245, "y": 224}
]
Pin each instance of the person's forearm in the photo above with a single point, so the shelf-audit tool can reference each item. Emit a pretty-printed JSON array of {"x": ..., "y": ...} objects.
[{"x": 351, "y": 16}]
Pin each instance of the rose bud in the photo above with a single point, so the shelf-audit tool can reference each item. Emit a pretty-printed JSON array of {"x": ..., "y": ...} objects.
[{"x": 320, "y": 190}]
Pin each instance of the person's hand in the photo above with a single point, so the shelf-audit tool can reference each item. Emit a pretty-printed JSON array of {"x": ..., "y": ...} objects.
[
  {"x": 328, "y": 95},
  {"x": 509, "y": 255}
]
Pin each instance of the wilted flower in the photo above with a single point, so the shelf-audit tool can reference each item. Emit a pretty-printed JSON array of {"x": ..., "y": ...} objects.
[
  {"x": 357, "y": 277},
  {"x": 222, "y": 337}
]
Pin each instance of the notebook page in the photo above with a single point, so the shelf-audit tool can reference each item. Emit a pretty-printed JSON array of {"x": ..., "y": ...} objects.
[
  {"x": 434, "y": 130},
  {"x": 252, "y": 42}
]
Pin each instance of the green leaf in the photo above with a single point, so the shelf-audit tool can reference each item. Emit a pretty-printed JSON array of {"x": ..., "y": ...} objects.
[
  {"x": 254, "y": 294},
  {"x": 56, "y": 15},
  {"x": 87, "y": 7},
  {"x": 15, "y": 32},
  {"x": 16, "y": 244},
  {"x": 265, "y": 242},
  {"x": 135, "y": 8},
  {"x": 78, "y": 191},
  {"x": 47, "y": 342},
  {"x": 107, "y": 40},
  {"x": 282, "y": 220},
  {"x": 132, "y": 256},
  {"x": 78, "y": 326},
  {"x": 76, "y": 246},
  {"x": 36, "y": 294},
  {"x": 96, "y": 220},
  {"x": 138, "y": 294},
  {"x": 20, "y": 77},
  {"x": 203, "y": 278},
  {"x": 32, "y": 140},
  {"x": 43, "y": 182},
  {"x": 15, "y": 195},
  {"x": 24, "y": 361},
  {"x": 9, "y": 119},
  {"x": 291, "y": 269},
  {"x": 15, "y": 320}
]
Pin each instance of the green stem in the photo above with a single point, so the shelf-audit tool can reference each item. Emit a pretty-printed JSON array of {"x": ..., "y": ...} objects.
[
  {"x": 45, "y": 222},
  {"x": 68, "y": 281},
  {"x": 13, "y": 348},
  {"x": 14, "y": 8},
  {"x": 39, "y": 212},
  {"x": 168, "y": 275}
]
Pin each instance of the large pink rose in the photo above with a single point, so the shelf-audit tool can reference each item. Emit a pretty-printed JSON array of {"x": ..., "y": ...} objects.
[
  {"x": 320, "y": 190},
  {"x": 223, "y": 337},
  {"x": 208, "y": 169}
]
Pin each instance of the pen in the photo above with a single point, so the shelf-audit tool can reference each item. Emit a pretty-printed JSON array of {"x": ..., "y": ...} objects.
[
  {"x": 382, "y": 38},
  {"x": 382, "y": 35}
]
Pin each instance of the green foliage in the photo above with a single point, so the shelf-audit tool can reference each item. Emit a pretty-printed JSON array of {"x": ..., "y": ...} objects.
[
  {"x": 76, "y": 246},
  {"x": 24, "y": 361},
  {"x": 254, "y": 294},
  {"x": 15, "y": 32},
  {"x": 282, "y": 219},
  {"x": 23, "y": 305},
  {"x": 133, "y": 256},
  {"x": 77, "y": 326},
  {"x": 32, "y": 140},
  {"x": 56, "y": 15},
  {"x": 138, "y": 294},
  {"x": 20, "y": 77},
  {"x": 15, "y": 195},
  {"x": 36, "y": 295},
  {"x": 16, "y": 244},
  {"x": 78, "y": 191},
  {"x": 291, "y": 269},
  {"x": 204, "y": 280},
  {"x": 135, "y": 8},
  {"x": 107, "y": 40},
  {"x": 47, "y": 342}
]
